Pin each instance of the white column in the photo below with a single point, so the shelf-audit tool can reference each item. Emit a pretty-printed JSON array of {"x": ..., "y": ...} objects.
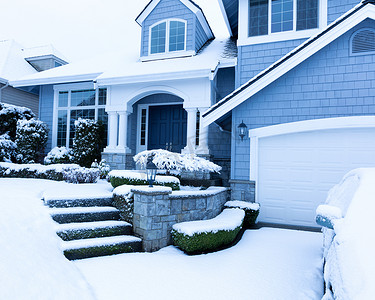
[
  {"x": 123, "y": 132},
  {"x": 191, "y": 130},
  {"x": 112, "y": 129},
  {"x": 203, "y": 134}
]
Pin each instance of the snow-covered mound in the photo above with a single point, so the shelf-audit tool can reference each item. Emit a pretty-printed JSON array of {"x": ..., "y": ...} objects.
[
  {"x": 32, "y": 265},
  {"x": 350, "y": 259}
]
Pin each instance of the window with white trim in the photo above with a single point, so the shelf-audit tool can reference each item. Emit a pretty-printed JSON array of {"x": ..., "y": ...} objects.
[
  {"x": 168, "y": 36},
  {"x": 75, "y": 104},
  {"x": 273, "y": 16}
]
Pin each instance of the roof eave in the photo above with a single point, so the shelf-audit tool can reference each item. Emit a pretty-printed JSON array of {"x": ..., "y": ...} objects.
[
  {"x": 225, "y": 15},
  {"x": 55, "y": 80}
]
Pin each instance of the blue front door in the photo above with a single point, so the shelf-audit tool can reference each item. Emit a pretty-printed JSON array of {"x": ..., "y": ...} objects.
[{"x": 167, "y": 127}]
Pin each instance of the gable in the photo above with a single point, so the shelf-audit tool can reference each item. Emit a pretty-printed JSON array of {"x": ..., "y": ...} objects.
[{"x": 290, "y": 61}]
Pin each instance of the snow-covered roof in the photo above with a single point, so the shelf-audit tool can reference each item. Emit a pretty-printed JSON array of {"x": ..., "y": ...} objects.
[
  {"x": 119, "y": 68},
  {"x": 366, "y": 9},
  {"x": 42, "y": 51},
  {"x": 12, "y": 62}
]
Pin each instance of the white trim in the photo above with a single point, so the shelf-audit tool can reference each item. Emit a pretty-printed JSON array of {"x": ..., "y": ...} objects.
[
  {"x": 167, "y": 36},
  {"x": 225, "y": 15},
  {"x": 298, "y": 127},
  {"x": 167, "y": 55},
  {"x": 351, "y": 42},
  {"x": 243, "y": 34},
  {"x": 151, "y": 6},
  {"x": 139, "y": 147},
  {"x": 299, "y": 57}
]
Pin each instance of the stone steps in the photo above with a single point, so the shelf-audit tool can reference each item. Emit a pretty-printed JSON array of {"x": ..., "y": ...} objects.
[{"x": 91, "y": 227}]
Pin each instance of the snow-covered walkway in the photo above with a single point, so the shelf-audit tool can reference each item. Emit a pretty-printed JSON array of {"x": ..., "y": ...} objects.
[{"x": 266, "y": 264}]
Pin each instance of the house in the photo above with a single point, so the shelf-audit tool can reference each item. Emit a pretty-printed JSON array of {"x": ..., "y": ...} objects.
[
  {"x": 16, "y": 62},
  {"x": 298, "y": 74}
]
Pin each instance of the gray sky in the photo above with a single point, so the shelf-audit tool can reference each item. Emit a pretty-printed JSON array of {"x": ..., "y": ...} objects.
[{"x": 83, "y": 28}]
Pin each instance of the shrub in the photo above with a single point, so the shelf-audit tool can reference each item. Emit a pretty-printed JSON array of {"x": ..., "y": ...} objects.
[
  {"x": 209, "y": 235},
  {"x": 118, "y": 178},
  {"x": 82, "y": 175},
  {"x": 31, "y": 138},
  {"x": 86, "y": 142},
  {"x": 251, "y": 211},
  {"x": 123, "y": 200},
  {"x": 9, "y": 116},
  {"x": 104, "y": 169},
  {"x": 58, "y": 155},
  {"x": 7, "y": 148}
]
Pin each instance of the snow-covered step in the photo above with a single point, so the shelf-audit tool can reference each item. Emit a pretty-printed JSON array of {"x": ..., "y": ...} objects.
[
  {"x": 79, "y": 249},
  {"x": 84, "y": 214},
  {"x": 76, "y": 202},
  {"x": 86, "y": 230}
]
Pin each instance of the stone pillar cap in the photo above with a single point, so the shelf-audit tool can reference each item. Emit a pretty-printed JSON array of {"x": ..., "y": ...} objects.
[{"x": 155, "y": 190}]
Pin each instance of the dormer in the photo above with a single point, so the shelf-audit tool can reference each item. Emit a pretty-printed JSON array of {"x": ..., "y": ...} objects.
[
  {"x": 172, "y": 28},
  {"x": 43, "y": 58}
]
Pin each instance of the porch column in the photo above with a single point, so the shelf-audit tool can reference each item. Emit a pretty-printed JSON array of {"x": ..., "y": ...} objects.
[
  {"x": 112, "y": 128},
  {"x": 123, "y": 132},
  {"x": 191, "y": 130},
  {"x": 203, "y": 134}
]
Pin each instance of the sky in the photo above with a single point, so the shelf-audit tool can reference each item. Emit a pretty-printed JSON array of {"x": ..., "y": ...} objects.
[{"x": 82, "y": 29}]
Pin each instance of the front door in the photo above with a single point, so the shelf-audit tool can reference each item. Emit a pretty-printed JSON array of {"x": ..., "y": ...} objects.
[{"x": 167, "y": 127}]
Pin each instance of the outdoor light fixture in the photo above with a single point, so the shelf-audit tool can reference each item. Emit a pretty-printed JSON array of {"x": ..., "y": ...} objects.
[
  {"x": 242, "y": 130},
  {"x": 151, "y": 171}
]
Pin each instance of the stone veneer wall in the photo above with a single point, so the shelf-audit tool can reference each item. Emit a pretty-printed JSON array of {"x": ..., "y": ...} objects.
[
  {"x": 242, "y": 190},
  {"x": 119, "y": 161},
  {"x": 157, "y": 209}
]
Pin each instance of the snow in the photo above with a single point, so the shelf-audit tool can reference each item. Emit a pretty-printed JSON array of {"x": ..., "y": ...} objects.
[
  {"x": 31, "y": 262},
  {"x": 350, "y": 257},
  {"x": 212, "y": 190},
  {"x": 242, "y": 204},
  {"x": 266, "y": 264},
  {"x": 153, "y": 189},
  {"x": 112, "y": 240},
  {"x": 81, "y": 210},
  {"x": 123, "y": 190},
  {"x": 228, "y": 220},
  {"x": 142, "y": 176},
  {"x": 91, "y": 225},
  {"x": 328, "y": 211}
]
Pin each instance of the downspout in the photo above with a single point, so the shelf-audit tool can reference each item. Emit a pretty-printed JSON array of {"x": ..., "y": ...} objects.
[{"x": 1, "y": 89}]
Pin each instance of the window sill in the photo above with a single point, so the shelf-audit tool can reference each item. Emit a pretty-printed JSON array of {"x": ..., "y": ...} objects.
[{"x": 168, "y": 55}]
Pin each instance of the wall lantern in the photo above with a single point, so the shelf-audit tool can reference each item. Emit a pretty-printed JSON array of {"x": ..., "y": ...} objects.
[
  {"x": 151, "y": 171},
  {"x": 242, "y": 130}
]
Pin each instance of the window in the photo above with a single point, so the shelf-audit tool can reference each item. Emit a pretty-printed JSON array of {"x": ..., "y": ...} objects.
[
  {"x": 143, "y": 126},
  {"x": 363, "y": 42},
  {"x": 75, "y": 104},
  {"x": 168, "y": 36},
  {"x": 274, "y": 16}
]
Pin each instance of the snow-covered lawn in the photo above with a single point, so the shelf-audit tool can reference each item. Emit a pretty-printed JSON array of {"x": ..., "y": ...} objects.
[{"x": 265, "y": 264}]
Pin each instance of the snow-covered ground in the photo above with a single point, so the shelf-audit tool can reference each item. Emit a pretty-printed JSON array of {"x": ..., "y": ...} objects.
[{"x": 265, "y": 264}]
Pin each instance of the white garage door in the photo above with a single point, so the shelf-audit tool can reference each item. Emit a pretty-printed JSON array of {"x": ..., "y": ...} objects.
[{"x": 296, "y": 170}]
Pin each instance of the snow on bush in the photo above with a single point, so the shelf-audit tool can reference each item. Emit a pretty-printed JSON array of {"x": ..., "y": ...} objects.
[
  {"x": 69, "y": 172},
  {"x": 9, "y": 115},
  {"x": 123, "y": 200},
  {"x": 58, "y": 155},
  {"x": 164, "y": 159},
  {"x": 86, "y": 142},
  {"x": 7, "y": 148},
  {"x": 32, "y": 264},
  {"x": 251, "y": 211},
  {"x": 31, "y": 138},
  {"x": 103, "y": 167},
  {"x": 208, "y": 235},
  {"x": 121, "y": 177}
]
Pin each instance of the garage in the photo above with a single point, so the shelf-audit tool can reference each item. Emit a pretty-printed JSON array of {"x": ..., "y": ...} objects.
[{"x": 296, "y": 164}]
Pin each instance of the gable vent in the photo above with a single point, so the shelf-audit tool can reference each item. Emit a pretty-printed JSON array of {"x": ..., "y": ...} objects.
[{"x": 363, "y": 41}]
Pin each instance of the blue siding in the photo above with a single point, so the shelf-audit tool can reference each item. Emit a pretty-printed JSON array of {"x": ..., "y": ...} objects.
[
  {"x": 200, "y": 36},
  {"x": 46, "y": 110},
  {"x": 164, "y": 10},
  {"x": 337, "y": 8},
  {"x": 331, "y": 83},
  {"x": 225, "y": 82}
]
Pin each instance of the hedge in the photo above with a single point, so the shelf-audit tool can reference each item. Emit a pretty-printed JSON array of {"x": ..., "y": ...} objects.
[
  {"x": 251, "y": 211},
  {"x": 123, "y": 177},
  {"x": 198, "y": 237}
]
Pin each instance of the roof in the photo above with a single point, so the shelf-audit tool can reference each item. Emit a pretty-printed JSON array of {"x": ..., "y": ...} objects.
[
  {"x": 12, "y": 63},
  {"x": 121, "y": 68},
  {"x": 42, "y": 51},
  {"x": 189, "y": 4},
  {"x": 364, "y": 10}
]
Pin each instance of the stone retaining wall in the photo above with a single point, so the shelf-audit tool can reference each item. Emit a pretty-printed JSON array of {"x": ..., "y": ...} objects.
[{"x": 157, "y": 209}]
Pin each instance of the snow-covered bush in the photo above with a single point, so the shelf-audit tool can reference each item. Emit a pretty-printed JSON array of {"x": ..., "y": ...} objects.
[
  {"x": 58, "y": 155},
  {"x": 123, "y": 200},
  {"x": 86, "y": 142},
  {"x": 31, "y": 139},
  {"x": 124, "y": 177},
  {"x": 9, "y": 115},
  {"x": 103, "y": 167},
  {"x": 251, "y": 211},
  {"x": 164, "y": 159},
  {"x": 7, "y": 148},
  {"x": 197, "y": 237},
  {"x": 82, "y": 175}
]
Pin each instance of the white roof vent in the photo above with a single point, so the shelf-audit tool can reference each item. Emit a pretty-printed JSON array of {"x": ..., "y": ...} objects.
[{"x": 363, "y": 41}]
